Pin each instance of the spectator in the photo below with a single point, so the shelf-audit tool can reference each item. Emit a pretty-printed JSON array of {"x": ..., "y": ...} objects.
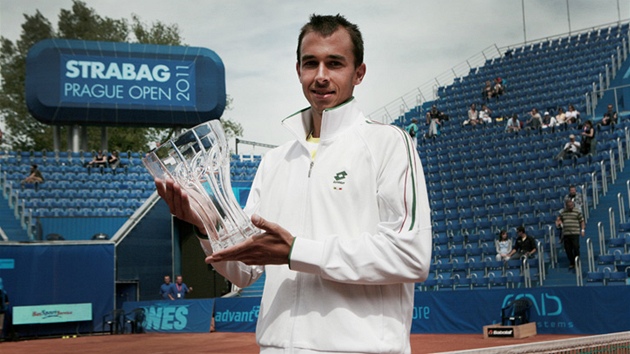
[
  {"x": 498, "y": 88},
  {"x": 99, "y": 160},
  {"x": 336, "y": 277},
  {"x": 525, "y": 246},
  {"x": 113, "y": 160},
  {"x": 34, "y": 177},
  {"x": 513, "y": 124},
  {"x": 588, "y": 136},
  {"x": 535, "y": 120},
  {"x": 166, "y": 289},
  {"x": 503, "y": 246},
  {"x": 561, "y": 117},
  {"x": 572, "y": 148},
  {"x": 572, "y": 116},
  {"x": 485, "y": 115},
  {"x": 576, "y": 198},
  {"x": 412, "y": 129},
  {"x": 610, "y": 117},
  {"x": 473, "y": 116},
  {"x": 549, "y": 121},
  {"x": 4, "y": 308},
  {"x": 180, "y": 289},
  {"x": 572, "y": 224},
  {"x": 488, "y": 92},
  {"x": 434, "y": 120}
]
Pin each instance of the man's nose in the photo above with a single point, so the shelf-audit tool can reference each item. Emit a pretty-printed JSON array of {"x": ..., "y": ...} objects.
[{"x": 322, "y": 73}]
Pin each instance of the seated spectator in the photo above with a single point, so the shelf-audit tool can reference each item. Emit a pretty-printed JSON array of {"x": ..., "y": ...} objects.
[
  {"x": 503, "y": 246},
  {"x": 434, "y": 120},
  {"x": 549, "y": 121},
  {"x": 488, "y": 92},
  {"x": 412, "y": 129},
  {"x": 572, "y": 148},
  {"x": 525, "y": 246},
  {"x": 35, "y": 177},
  {"x": 98, "y": 160},
  {"x": 561, "y": 116},
  {"x": 572, "y": 115},
  {"x": 588, "y": 135},
  {"x": 498, "y": 88},
  {"x": 485, "y": 114},
  {"x": 610, "y": 117},
  {"x": 535, "y": 120},
  {"x": 113, "y": 160},
  {"x": 513, "y": 124},
  {"x": 473, "y": 115}
]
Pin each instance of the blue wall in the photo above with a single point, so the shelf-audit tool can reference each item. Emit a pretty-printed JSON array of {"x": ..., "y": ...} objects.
[{"x": 60, "y": 274}]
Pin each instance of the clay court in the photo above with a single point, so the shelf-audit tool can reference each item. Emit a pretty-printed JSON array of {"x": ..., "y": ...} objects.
[{"x": 233, "y": 343}]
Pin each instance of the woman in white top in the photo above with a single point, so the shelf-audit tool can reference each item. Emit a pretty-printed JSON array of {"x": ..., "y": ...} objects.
[
  {"x": 503, "y": 245},
  {"x": 572, "y": 115}
]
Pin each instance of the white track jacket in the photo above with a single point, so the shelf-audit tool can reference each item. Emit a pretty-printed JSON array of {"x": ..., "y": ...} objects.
[{"x": 360, "y": 214}]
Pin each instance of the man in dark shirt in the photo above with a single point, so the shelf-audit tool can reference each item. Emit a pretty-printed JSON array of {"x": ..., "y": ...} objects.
[{"x": 525, "y": 246}]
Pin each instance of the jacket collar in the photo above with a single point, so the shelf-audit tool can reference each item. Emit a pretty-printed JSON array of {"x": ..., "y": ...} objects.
[{"x": 334, "y": 121}]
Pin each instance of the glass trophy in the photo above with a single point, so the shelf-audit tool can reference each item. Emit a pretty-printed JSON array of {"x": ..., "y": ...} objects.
[{"x": 198, "y": 160}]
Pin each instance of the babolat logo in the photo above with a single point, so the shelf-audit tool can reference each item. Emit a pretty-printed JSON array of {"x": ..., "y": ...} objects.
[
  {"x": 238, "y": 316},
  {"x": 500, "y": 332},
  {"x": 166, "y": 317}
]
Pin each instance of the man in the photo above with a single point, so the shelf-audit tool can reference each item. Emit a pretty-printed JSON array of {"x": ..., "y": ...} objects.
[
  {"x": 513, "y": 124},
  {"x": 570, "y": 148},
  {"x": 576, "y": 198},
  {"x": 434, "y": 118},
  {"x": 572, "y": 223},
  {"x": 535, "y": 120},
  {"x": 610, "y": 116},
  {"x": 180, "y": 289},
  {"x": 166, "y": 289},
  {"x": 338, "y": 278},
  {"x": 525, "y": 246}
]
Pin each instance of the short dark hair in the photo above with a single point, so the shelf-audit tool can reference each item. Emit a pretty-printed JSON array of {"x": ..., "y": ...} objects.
[
  {"x": 326, "y": 25},
  {"x": 520, "y": 229}
]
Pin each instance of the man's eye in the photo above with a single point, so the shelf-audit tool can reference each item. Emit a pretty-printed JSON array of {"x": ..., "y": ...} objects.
[
  {"x": 309, "y": 64},
  {"x": 334, "y": 64}
]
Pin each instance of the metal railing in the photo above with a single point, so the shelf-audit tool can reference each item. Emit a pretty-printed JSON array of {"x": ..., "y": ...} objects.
[{"x": 578, "y": 271}]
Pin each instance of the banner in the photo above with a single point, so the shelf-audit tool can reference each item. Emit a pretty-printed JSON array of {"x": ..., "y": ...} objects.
[
  {"x": 238, "y": 314},
  {"x": 183, "y": 316},
  {"x": 55, "y": 313}
]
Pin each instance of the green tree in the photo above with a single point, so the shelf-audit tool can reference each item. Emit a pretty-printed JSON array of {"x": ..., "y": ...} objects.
[{"x": 80, "y": 22}]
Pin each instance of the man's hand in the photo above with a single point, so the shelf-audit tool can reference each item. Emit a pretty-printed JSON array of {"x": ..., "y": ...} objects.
[
  {"x": 270, "y": 247},
  {"x": 178, "y": 202}
]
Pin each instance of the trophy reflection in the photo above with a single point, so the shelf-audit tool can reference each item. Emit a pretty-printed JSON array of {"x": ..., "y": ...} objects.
[{"x": 198, "y": 159}]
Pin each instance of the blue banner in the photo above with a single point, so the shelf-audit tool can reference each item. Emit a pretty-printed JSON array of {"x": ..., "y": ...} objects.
[
  {"x": 556, "y": 310},
  {"x": 183, "y": 316},
  {"x": 237, "y": 314}
]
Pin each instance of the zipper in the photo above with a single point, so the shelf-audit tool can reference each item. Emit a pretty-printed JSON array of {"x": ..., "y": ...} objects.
[{"x": 310, "y": 168}]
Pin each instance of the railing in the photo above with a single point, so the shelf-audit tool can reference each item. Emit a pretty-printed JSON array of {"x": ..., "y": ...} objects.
[
  {"x": 622, "y": 209},
  {"x": 604, "y": 178},
  {"x": 542, "y": 272},
  {"x": 590, "y": 254},
  {"x": 526, "y": 272},
  {"x": 585, "y": 211},
  {"x": 592, "y": 97},
  {"x": 602, "y": 236},
  {"x": 578, "y": 272},
  {"x": 553, "y": 253},
  {"x": 595, "y": 190}
]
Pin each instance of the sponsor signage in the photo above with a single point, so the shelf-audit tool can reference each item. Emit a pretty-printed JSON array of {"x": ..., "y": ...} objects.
[
  {"x": 7, "y": 263},
  {"x": 107, "y": 83},
  {"x": 181, "y": 316},
  {"x": 500, "y": 332},
  {"x": 52, "y": 313}
]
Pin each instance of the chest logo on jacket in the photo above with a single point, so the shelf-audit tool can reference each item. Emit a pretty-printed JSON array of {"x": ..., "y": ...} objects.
[{"x": 340, "y": 179}]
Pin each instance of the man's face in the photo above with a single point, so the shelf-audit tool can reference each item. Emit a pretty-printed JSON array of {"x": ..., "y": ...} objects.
[
  {"x": 178, "y": 280},
  {"x": 572, "y": 192},
  {"x": 326, "y": 69},
  {"x": 167, "y": 279}
]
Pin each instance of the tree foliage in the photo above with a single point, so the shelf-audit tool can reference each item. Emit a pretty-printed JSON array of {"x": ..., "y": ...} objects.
[{"x": 80, "y": 22}]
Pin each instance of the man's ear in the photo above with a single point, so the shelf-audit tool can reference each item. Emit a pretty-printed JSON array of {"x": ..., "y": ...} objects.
[
  {"x": 297, "y": 68},
  {"x": 359, "y": 73}
]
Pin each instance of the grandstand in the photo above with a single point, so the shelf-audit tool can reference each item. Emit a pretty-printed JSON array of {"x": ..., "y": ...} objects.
[{"x": 480, "y": 179}]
